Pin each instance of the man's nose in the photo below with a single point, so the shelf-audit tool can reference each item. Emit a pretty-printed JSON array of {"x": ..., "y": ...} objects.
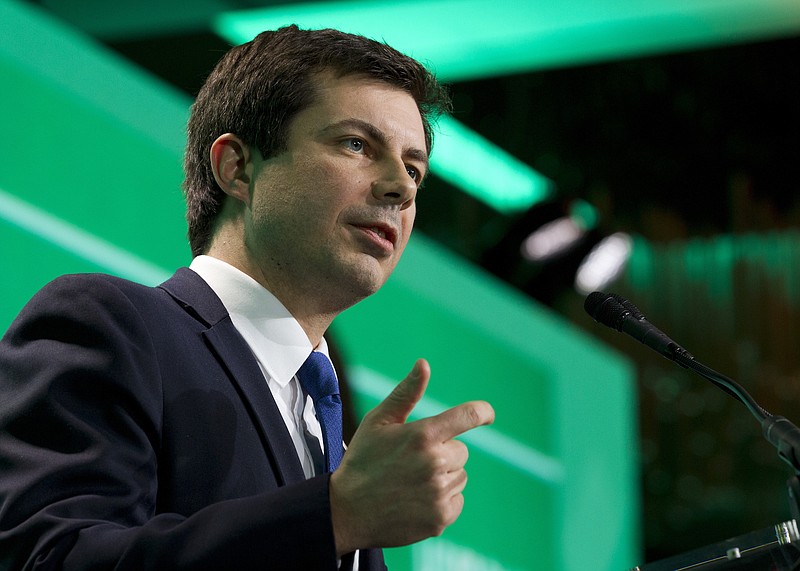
[{"x": 395, "y": 186}]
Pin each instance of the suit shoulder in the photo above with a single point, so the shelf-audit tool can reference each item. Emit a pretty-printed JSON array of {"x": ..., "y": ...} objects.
[
  {"x": 98, "y": 286},
  {"x": 93, "y": 281},
  {"x": 86, "y": 297}
]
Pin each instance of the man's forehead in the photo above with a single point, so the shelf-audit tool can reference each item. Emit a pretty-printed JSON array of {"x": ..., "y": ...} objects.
[
  {"x": 325, "y": 80},
  {"x": 336, "y": 97}
]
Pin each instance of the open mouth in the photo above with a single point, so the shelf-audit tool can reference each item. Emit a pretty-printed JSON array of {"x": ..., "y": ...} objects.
[
  {"x": 380, "y": 236},
  {"x": 382, "y": 232}
]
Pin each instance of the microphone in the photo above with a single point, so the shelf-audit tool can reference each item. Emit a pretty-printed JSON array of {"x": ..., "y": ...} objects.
[{"x": 618, "y": 313}]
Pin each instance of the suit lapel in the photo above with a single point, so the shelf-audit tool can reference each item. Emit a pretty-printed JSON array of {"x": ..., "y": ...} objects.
[{"x": 233, "y": 353}]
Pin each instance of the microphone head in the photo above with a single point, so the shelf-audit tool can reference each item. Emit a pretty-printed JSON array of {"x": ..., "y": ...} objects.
[
  {"x": 606, "y": 309},
  {"x": 615, "y": 311},
  {"x": 629, "y": 306}
]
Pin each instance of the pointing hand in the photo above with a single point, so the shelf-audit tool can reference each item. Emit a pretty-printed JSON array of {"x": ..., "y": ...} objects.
[{"x": 401, "y": 482}]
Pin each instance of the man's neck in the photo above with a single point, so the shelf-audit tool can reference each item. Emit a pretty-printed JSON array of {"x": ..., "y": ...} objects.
[{"x": 306, "y": 309}]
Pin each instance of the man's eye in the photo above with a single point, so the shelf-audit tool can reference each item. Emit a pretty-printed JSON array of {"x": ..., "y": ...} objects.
[
  {"x": 355, "y": 144},
  {"x": 412, "y": 172}
]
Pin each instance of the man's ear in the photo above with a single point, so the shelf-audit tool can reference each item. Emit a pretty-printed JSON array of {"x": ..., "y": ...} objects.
[{"x": 232, "y": 164}]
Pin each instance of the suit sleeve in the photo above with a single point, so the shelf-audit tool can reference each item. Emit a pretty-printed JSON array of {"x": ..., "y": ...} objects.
[{"x": 80, "y": 424}]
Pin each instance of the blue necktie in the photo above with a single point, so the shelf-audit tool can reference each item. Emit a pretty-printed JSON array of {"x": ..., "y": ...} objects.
[{"x": 319, "y": 381}]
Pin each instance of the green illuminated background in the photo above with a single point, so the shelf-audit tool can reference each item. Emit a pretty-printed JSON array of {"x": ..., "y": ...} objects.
[{"x": 90, "y": 181}]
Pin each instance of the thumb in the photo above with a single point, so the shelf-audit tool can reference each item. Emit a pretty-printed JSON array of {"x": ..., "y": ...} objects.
[{"x": 396, "y": 407}]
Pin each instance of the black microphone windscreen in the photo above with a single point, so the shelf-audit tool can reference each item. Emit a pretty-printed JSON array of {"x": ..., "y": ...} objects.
[
  {"x": 605, "y": 309},
  {"x": 629, "y": 305}
]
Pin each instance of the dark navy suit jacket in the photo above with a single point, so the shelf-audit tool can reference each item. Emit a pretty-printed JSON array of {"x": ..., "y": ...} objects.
[{"x": 137, "y": 432}]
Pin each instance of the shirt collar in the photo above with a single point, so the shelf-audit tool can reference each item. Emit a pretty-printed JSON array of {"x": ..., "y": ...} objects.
[{"x": 277, "y": 340}]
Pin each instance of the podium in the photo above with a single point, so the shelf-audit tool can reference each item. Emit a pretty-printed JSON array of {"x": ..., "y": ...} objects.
[{"x": 775, "y": 548}]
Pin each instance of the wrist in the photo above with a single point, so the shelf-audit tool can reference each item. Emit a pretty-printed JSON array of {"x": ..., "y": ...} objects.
[{"x": 344, "y": 523}]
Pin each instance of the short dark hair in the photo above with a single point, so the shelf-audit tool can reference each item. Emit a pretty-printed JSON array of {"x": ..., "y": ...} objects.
[{"x": 257, "y": 88}]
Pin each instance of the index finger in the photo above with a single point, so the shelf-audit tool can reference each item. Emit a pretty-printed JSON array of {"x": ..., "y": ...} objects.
[{"x": 459, "y": 419}]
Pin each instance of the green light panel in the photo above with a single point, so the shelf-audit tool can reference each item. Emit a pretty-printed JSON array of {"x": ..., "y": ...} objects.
[
  {"x": 713, "y": 262},
  {"x": 468, "y": 39},
  {"x": 89, "y": 163},
  {"x": 74, "y": 240},
  {"x": 88, "y": 185},
  {"x": 468, "y": 161}
]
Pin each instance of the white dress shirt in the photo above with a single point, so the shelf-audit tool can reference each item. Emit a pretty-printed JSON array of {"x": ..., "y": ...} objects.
[{"x": 279, "y": 345}]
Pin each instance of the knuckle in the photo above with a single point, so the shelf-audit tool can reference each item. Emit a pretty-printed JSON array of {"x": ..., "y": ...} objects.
[
  {"x": 439, "y": 524},
  {"x": 445, "y": 513},
  {"x": 367, "y": 419},
  {"x": 426, "y": 434},
  {"x": 421, "y": 439},
  {"x": 440, "y": 483},
  {"x": 440, "y": 465}
]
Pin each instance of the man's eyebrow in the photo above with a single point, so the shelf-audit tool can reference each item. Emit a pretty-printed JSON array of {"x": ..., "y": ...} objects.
[{"x": 377, "y": 135}]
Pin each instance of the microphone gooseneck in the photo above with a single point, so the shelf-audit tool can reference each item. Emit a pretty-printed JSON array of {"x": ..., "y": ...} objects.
[{"x": 618, "y": 313}]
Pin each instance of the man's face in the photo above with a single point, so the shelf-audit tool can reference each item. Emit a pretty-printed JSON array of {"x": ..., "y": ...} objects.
[{"x": 332, "y": 214}]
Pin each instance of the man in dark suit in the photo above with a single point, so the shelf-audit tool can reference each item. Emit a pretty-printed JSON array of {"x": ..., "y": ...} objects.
[{"x": 166, "y": 428}]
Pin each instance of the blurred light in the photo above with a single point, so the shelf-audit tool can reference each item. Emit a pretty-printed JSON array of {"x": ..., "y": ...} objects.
[
  {"x": 583, "y": 213},
  {"x": 468, "y": 39},
  {"x": 468, "y": 161},
  {"x": 79, "y": 242},
  {"x": 560, "y": 235},
  {"x": 604, "y": 263},
  {"x": 551, "y": 239}
]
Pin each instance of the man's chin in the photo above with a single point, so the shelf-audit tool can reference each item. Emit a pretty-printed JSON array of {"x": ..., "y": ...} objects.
[{"x": 366, "y": 279}]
